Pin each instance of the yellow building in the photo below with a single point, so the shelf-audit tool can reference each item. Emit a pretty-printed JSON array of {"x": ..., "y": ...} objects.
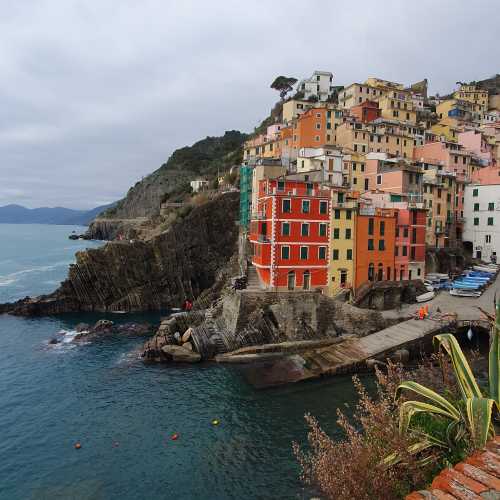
[
  {"x": 441, "y": 201},
  {"x": 379, "y": 137},
  {"x": 449, "y": 132},
  {"x": 294, "y": 108},
  {"x": 384, "y": 84},
  {"x": 473, "y": 95},
  {"x": 342, "y": 234},
  {"x": 399, "y": 108},
  {"x": 353, "y": 170},
  {"x": 456, "y": 112}
]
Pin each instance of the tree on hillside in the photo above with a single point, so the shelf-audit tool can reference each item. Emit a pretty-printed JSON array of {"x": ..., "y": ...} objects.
[{"x": 283, "y": 84}]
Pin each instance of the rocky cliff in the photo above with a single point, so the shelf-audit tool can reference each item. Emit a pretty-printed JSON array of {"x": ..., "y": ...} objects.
[{"x": 147, "y": 275}]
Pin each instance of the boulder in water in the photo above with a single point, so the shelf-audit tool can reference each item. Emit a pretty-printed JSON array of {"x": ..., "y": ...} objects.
[
  {"x": 102, "y": 324},
  {"x": 179, "y": 354},
  {"x": 188, "y": 346},
  {"x": 82, "y": 327},
  {"x": 53, "y": 341}
]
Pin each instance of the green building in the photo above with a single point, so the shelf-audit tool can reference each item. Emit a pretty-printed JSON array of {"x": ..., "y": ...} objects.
[{"x": 245, "y": 195}]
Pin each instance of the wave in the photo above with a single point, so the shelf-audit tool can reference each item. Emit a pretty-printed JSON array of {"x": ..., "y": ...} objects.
[{"x": 7, "y": 279}]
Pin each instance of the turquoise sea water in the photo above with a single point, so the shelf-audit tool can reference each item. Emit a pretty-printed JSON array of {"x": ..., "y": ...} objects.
[{"x": 124, "y": 413}]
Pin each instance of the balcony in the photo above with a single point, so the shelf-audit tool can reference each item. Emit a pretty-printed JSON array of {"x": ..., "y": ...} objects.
[
  {"x": 259, "y": 216},
  {"x": 344, "y": 204},
  {"x": 262, "y": 238}
]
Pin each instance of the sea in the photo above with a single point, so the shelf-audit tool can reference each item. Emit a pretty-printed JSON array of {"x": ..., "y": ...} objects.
[{"x": 124, "y": 413}]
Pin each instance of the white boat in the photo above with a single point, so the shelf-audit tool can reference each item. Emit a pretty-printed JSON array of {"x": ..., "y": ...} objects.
[
  {"x": 425, "y": 297},
  {"x": 485, "y": 269},
  {"x": 436, "y": 276},
  {"x": 429, "y": 286},
  {"x": 462, "y": 292}
]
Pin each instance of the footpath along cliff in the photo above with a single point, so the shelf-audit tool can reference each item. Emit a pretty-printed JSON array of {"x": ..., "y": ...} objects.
[{"x": 151, "y": 275}]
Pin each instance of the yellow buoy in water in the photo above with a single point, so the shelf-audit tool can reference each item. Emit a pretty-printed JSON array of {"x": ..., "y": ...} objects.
[{"x": 215, "y": 422}]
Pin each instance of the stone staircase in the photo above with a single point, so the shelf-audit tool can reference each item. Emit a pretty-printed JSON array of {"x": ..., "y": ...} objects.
[{"x": 253, "y": 282}]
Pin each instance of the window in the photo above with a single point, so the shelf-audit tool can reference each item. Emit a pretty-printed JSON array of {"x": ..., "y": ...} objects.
[
  {"x": 382, "y": 228},
  {"x": 337, "y": 214},
  {"x": 321, "y": 253},
  {"x": 475, "y": 192},
  {"x": 286, "y": 206},
  {"x": 476, "y": 221},
  {"x": 491, "y": 206},
  {"x": 285, "y": 229},
  {"x": 318, "y": 126},
  {"x": 304, "y": 230},
  {"x": 370, "y": 244},
  {"x": 335, "y": 254},
  {"x": 349, "y": 254},
  {"x": 379, "y": 179},
  {"x": 336, "y": 233},
  {"x": 304, "y": 253},
  {"x": 285, "y": 253},
  {"x": 396, "y": 251},
  {"x": 405, "y": 251},
  {"x": 476, "y": 207},
  {"x": 322, "y": 229},
  {"x": 348, "y": 233},
  {"x": 306, "y": 204},
  {"x": 490, "y": 221},
  {"x": 405, "y": 232},
  {"x": 348, "y": 214},
  {"x": 323, "y": 207},
  {"x": 381, "y": 244},
  {"x": 487, "y": 238},
  {"x": 370, "y": 226},
  {"x": 281, "y": 185}
]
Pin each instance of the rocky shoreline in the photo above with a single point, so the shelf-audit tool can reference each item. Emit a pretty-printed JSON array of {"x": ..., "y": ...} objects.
[{"x": 154, "y": 275}]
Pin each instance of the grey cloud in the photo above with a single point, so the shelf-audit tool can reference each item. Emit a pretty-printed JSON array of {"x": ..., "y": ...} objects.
[{"x": 95, "y": 95}]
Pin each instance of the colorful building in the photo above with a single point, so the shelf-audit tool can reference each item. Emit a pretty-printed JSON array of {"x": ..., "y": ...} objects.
[
  {"x": 290, "y": 234},
  {"x": 375, "y": 244},
  {"x": 342, "y": 240},
  {"x": 365, "y": 112}
]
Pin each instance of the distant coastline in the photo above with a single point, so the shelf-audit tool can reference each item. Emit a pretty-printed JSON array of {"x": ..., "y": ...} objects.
[{"x": 17, "y": 214}]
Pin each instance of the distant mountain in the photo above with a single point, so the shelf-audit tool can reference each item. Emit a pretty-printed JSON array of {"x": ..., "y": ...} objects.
[{"x": 17, "y": 214}]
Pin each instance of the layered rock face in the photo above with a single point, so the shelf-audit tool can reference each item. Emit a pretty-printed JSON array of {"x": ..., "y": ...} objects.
[{"x": 147, "y": 275}]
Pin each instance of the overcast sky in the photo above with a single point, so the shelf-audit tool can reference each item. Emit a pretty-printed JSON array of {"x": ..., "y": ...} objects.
[{"x": 95, "y": 94}]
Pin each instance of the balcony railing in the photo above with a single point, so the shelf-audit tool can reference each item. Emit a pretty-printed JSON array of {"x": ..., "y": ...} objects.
[{"x": 262, "y": 238}]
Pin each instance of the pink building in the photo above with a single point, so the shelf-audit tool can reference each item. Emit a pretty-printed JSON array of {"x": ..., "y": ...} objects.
[
  {"x": 448, "y": 155},
  {"x": 392, "y": 175},
  {"x": 273, "y": 131},
  {"x": 475, "y": 142},
  {"x": 487, "y": 175}
]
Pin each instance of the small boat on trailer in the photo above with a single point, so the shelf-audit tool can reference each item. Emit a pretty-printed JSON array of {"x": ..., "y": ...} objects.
[
  {"x": 463, "y": 292},
  {"x": 425, "y": 296}
]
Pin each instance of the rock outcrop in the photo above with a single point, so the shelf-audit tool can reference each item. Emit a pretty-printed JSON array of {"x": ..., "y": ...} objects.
[
  {"x": 147, "y": 275},
  {"x": 241, "y": 319}
]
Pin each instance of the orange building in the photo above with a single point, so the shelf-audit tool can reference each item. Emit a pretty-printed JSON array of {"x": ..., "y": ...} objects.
[
  {"x": 375, "y": 243},
  {"x": 312, "y": 129}
]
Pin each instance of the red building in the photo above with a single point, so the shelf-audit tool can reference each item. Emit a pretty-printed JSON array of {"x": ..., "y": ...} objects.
[
  {"x": 366, "y": 112},
  {"x": 290, "y": 233}
]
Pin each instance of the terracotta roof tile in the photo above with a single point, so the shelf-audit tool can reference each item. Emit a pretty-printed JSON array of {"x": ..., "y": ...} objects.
[{"x": 477, "y": 478}]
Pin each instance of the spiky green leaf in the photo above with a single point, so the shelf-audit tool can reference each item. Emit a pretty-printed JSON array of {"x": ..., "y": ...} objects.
[
  {"x": 432, "y": 396},
  {"x": 479, "y": 419},
  {"x": 494, "y": 361},
  {"x": 466, "y": 381},
  {"x": 410, "y": 408}
]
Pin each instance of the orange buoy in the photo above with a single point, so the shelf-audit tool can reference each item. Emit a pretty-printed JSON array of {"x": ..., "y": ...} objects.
[
  {"x": 175, "y": 436},
  {"x": 78, "y": 445}
]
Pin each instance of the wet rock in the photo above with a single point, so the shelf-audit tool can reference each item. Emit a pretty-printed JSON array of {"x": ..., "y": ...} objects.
[
  {"x": 53, "y": 341},
  {"x": 188, "y": 346},
  {"x": 82, "y": 327},
  {"x": 179, "y": 354},
  {"x": 102, "y": 325}
]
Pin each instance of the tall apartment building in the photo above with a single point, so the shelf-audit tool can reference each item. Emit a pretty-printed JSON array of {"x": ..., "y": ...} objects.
[{"x": 289, "y": 233}]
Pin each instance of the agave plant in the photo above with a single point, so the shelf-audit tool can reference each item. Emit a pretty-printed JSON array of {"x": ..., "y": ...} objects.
[{"x": 469, "y": 416}]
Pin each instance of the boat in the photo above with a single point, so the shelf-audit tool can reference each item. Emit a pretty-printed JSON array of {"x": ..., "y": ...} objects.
[
  {"x": 457, "y": 292},
  {"x": 486, "y": 269},
  {"x": 429, "y": 286},
  {"x": 425, "y": 296}
]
